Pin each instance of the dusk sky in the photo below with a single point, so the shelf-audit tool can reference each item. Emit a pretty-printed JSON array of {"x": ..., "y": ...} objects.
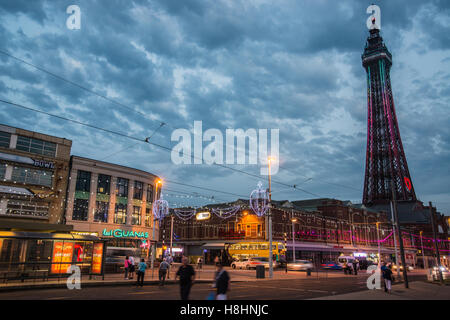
[{"x": 288, "y": 65}]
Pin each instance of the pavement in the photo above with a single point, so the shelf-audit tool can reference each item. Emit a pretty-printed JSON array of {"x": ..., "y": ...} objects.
[
  {"x": 206, "y": 274},
  {"x": 244, "y": 286},
  {"x": 418, "y": 290}
]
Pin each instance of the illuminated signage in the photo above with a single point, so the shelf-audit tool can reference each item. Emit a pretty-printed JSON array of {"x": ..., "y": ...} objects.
[
  {"x": 203, "y": 215},
  {"x": 43, "y": 164},
  {"x": 82, "y": 233},
  {"x": 62, "y": 256},
  {"x": 360, "y": 254},
  {"x": 119, "y": 233},
  {"x": 407, "y": 183},
  {"x": 97, "y": 258}
]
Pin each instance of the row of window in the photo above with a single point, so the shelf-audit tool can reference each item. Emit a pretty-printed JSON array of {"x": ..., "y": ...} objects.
[
  {"x": 32, "y": 176},
  {"x": 31, "y": 209},
  {"x": 32, "y": 145},
  {"x": 104, "y": 182},
  {"x": 81, "y": 213}
]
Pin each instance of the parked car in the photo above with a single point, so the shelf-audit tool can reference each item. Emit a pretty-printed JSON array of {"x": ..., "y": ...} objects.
[
  {"x": 240, "y": 264},
  {"x": 300, "y": 265},
  {"x": 331, "y": 265}
]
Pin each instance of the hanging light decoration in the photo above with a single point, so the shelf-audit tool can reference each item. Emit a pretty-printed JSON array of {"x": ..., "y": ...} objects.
[
  {"x": 259, "y": 200},
  {"x": 185, "y": 214},
  {"x": 160, "y": 208},
  {"x": 226, "y": 213}
]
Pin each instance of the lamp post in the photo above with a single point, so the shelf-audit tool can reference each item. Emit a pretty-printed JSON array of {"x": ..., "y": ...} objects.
[
  {"x": 155, "y": 196},
  {"x": 378, "y": 242},
  {"x": 425, "y": 262},
  {"x": 395, "y": 241},
  {"x": 438, "y": 258},
  {"x": 270, "y": 159},
  {"x": 293, "y": 239}
]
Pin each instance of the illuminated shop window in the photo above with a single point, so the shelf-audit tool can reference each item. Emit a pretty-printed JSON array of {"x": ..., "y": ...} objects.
[
  {"x": 136, "y": 216},
  {"x": 148, "y": 217},
  {"x": 120, "y": 214},
  {"x": 36, "y": 146},
  {"x": 101, "y": 211}
]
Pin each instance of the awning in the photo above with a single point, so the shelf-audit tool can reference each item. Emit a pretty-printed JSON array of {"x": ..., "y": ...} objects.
[
  {"x": 15, "y": 190},
  {"x": 212, "y": 245},
  {"x": 44, "y": 235}
]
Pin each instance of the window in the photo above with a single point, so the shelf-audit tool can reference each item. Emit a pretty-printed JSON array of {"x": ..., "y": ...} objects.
[
  {"x": 32, "y": 176},
  {"x": 36, "y": 146},
  {"x": 120, "y": 215},
  {"x": 32, "y": 209},
  {"x": 80, "y": 210},
  {"x": 103, "y": 184},
  {"x": 138, "y": 190},
  {"x": 101, "y": 211},
  {"x": 136, "y": 216},
  {"x": 122, "y": 187},
  {"x": 148, "y": 217},
  {"x": 2, "y": 170},
  {"x": 149, "y": 193},
  {"x": 5, "y": 137},
  {"x": 83, "y": 181}
]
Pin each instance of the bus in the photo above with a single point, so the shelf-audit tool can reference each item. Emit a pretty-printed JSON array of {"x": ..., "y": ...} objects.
[{"x": 245, "y": 250}]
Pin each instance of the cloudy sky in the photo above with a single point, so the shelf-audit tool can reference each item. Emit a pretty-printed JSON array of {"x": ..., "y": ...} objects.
[{"x": 288, "y": 65}]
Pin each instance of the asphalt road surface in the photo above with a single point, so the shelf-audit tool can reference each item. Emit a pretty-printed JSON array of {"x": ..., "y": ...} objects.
[{"x": 290, "y": 289}]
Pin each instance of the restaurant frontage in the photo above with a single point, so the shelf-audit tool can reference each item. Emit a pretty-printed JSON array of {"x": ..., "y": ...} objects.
[{"x": 33, "y": 255}]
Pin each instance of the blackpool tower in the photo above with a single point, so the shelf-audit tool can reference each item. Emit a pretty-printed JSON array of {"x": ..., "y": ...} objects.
[{"x": 385, "y": 158}]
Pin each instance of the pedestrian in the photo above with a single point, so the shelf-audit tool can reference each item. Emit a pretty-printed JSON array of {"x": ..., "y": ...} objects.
[
  {"x": 387, "y": 275},
  {"x": 199, "y": 263},
  {"x": 131, "y": 267},
  {"x": 355, "y": 266},
  {"x": 163, "y": 268},
  {"x": 221, "y": 283},
  {"x": 169, "y": 261},
  {"x": 126, "y": 265},
  {"x": 216, "y": 260},
  {"x": 383, "y": 269},
  {"x": 187, "y": 277},
  {"x": 141, "y": 273}
]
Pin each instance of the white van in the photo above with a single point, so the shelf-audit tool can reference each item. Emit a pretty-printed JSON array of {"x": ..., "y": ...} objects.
[{"x": 341, "y": 260}]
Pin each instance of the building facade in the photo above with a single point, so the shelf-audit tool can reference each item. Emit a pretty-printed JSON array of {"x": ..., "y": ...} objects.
[
  {"x": 319, "y": 229},
  {"x": 113, "y": 202},
  {"x": 34, "y": 170}
]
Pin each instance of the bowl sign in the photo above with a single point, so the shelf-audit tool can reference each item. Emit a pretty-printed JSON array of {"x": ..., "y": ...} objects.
[{"x": 203, "y": 215}]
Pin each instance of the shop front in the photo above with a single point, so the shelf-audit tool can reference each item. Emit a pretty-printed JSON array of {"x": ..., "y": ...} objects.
[{"x": 40, "y": 255}]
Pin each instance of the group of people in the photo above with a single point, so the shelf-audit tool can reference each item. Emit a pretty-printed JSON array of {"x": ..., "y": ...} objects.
[
  {"x": 351, "y": 267},
  {"x": 185, "y": 274},
  {"x": 387, "y": 276}
]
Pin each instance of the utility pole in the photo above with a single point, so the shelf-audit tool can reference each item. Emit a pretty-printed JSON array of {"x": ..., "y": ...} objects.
[
  {"x": 293, "y": 236},
  {"x": 270, "y": 226},
  {"x": 399, "y": 234},
  {"x": 438, "y": 257},
  {"x": 394, "y": 229},
  {"x": 155, "y": 197},
  {"x": 378, "y": 242},
  {"x": 425, "y": 262}
]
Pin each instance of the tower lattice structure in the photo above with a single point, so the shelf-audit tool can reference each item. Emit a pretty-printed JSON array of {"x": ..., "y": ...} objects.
[{"x": 385, "y": 158}]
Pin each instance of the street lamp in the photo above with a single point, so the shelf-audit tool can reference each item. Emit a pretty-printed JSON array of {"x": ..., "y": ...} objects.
[
  {"x": 270, "y": 159},
  {"x": 425, "y": 263},
  {"x": 378, "y": 242},
  {"x": 155, "y": 196},
  {"x": 293, "y": 239}
]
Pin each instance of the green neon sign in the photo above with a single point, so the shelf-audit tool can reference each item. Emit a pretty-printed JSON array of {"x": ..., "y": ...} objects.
[{"x": 119, "y": 233}]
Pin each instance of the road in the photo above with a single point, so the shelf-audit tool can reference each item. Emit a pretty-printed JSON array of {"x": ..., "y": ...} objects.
[{"x": 280, "y": 289}]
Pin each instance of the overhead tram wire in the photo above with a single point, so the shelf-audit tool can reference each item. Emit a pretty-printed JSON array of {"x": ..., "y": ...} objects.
[
  {"x": 319, "y": 180},
  {"x": 149, "y": 142},
  {"x": 73, "y": 83}
]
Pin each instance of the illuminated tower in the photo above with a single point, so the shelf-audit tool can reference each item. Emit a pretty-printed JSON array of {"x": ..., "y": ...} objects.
[{"x": 385, "y": 158}]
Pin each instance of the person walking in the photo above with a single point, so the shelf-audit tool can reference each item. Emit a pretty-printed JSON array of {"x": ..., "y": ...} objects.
[
  {"x": 199, "y": 262},
  {"x": 216, "y": 260},
  {"x": 141, "y": 273},
  {"x": 163, "y": 268},
  {"x": 383, "y": 269},
  {"x": 131, "y": 268},
  {"x": 387, "y": 275},
  {"x": 355, "y": 266},
  {"x": 126, "y": 265},
  {"x": 187, "y": 276},
  {"x": 221, "y": 282},
  {"x": 170, "y": 262}
]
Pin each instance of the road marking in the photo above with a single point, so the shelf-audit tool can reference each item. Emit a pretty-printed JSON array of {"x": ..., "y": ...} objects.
[
  {"x": 269, "y": 287},
  {"x": 144, "y": 292}
]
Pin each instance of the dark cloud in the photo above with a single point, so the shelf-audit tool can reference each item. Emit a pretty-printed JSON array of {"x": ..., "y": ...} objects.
[{"x": 290, "y": 65}]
